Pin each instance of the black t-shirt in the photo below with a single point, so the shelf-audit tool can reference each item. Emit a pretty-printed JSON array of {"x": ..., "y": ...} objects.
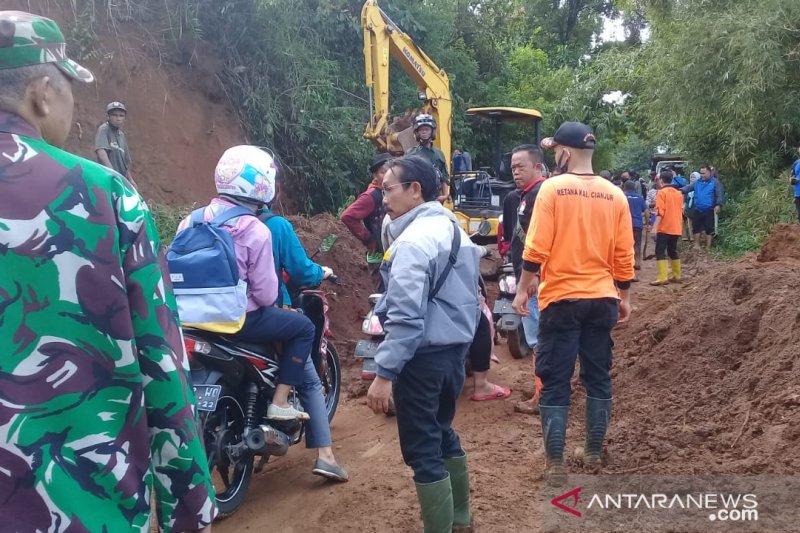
[
  {"x": 525, "y": 209},
  {"x": 523, "y": 215},
  {"x": 510, "y": 206}
]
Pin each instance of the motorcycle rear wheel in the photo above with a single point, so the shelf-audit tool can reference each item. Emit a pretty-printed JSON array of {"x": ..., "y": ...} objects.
[{"x": 230, "y": 477}]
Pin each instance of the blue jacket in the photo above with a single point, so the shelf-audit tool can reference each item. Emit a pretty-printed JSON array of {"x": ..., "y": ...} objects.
[
  {"x": 290, "y": 257},
  {"x": 636, "y": 204},
  {"x": 796, "y": 174},
  {"x": 707, "y": 194}
]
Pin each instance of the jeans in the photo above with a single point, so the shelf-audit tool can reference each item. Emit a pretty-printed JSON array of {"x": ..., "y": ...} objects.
[
  {"x": 425, "y": 396},
  {"x": 269, "y": 324},
  {"x": 318, "y": 431},
  {"x": 530, "y": 323},
  {"x": 571, "y": 328}
]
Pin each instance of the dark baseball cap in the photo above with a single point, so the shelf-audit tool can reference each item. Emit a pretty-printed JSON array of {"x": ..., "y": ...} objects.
[
  {"x": 572, "y": 135},
  {"x": 379, "y": 160}
]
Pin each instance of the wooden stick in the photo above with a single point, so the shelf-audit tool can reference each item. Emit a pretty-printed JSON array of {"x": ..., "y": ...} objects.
[{"x": 741, "y": 429}]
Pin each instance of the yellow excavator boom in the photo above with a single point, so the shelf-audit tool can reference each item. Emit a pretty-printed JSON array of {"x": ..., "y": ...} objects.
[{"x": 384, "y": 39}]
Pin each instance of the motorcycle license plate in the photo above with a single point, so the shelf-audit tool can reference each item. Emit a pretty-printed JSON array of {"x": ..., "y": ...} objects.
[{"x": 207, "y": 396}]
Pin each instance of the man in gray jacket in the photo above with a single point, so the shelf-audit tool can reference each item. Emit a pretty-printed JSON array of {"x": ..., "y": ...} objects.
[{"x": 430, "y": 313}]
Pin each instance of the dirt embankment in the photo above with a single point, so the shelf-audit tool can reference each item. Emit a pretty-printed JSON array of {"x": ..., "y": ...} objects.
[
  {"x": 179, "y": 120},
  {"x": 347, "y": 258},
  {"x": 710, "y": 382}
]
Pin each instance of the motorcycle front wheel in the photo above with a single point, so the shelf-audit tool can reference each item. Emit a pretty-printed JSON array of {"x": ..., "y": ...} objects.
[
  {"x": 332, "y": 381},
  {"x": 517, "y": 344}
]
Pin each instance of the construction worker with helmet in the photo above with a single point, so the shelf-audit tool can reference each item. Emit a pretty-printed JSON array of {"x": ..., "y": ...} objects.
[
  {"x": 110, "y": 142},
  {"x": 245, "y": 177},
  {"x": 425, "y": 134}
]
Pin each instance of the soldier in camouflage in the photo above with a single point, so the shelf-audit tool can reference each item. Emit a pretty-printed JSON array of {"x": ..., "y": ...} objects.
[{"x": 96, "y": 412}]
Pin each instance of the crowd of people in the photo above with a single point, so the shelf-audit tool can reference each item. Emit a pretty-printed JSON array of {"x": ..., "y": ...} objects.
[
  {"x": 99, "y": 411},
  {"x": 668, "y": 207}
]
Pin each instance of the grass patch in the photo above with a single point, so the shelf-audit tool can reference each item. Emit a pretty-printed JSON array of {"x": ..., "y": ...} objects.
[
  {"x": 167, "y": 219},
  {"x": 746, "y": 220}
]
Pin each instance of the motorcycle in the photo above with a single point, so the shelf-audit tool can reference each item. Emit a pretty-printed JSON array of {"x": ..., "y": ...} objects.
[
  {"x": 234, "y": 382},
  {"x": 507, "y": 321},
  {"x": 366, "y": 348}
]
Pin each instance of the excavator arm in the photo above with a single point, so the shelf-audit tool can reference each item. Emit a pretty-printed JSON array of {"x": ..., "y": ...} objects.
[{"x": 382, "y": 39}]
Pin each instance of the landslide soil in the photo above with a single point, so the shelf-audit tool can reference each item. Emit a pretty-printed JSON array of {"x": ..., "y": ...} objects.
[
  {"x": 706, "y": 380},
  {"x": 179, "y": 120}
]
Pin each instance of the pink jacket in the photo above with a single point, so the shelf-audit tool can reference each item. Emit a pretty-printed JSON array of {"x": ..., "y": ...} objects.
[{"x": 253, "y": 242}]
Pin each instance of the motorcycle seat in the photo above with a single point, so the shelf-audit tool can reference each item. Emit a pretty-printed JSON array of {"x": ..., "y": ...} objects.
[{"x": 261, "y": 349}]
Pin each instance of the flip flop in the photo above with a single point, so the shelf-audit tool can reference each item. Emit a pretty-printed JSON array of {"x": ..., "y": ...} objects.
[
  {"x": 493, "y": 358},
  {"x": 499, "y": 393}
]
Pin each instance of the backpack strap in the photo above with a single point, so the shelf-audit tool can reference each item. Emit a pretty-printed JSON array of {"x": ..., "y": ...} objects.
[
  {"x": 197, "y": 217},
  {"x": 233, "y": 212},
  {"x": 455, "y": 247}
]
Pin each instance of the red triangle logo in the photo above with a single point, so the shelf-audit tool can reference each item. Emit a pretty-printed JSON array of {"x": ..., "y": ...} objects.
[{"x": 573, "y": 495}]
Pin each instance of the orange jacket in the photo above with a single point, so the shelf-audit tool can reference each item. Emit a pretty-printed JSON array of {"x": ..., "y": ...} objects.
[
  {"x": 580, "y": 239},
  {"x": 669, "y": 206}
]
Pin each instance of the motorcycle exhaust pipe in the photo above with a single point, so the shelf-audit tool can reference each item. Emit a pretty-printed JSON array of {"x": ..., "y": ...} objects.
[{"x": 266, "y": 440}]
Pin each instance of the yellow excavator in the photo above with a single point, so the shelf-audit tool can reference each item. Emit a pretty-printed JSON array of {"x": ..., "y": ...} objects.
[{"x": 475, "y": 196}]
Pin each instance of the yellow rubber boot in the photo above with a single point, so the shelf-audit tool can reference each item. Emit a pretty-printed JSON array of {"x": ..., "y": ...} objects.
[
  {"x": 676, "y": 271},
  {"x": 661, "y": 264}
]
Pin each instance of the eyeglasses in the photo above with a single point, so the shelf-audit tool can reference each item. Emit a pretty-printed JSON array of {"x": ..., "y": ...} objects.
[{"x": 385, "y": 190}]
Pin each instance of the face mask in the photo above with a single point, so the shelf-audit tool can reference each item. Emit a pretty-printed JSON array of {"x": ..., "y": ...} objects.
[{"x": 561, "y": 163}]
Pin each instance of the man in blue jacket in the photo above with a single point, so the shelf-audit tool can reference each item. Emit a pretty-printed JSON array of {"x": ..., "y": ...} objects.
[
  {"x": 708, "y": 199},
  {"x": 796, "y": 184},
  {"x": 430, "y": 313},
  {"x": 290, "y": 257}
]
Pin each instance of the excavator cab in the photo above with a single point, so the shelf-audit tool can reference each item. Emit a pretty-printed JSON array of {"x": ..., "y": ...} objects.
[{"x": 478, "y": 195}]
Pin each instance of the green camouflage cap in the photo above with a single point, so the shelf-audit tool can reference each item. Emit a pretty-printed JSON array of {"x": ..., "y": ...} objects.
[{"x": 27, "y": 39}]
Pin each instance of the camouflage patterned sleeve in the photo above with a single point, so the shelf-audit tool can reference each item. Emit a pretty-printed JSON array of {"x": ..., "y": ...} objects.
[{"x": 184, "y": 496}]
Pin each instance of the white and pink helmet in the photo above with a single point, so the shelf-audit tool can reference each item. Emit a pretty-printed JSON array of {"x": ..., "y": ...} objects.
[{"x": 246, "y": 172}]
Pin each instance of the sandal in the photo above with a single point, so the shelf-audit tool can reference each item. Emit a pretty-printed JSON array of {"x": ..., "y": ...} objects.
[{"x": 499, "y": 393}]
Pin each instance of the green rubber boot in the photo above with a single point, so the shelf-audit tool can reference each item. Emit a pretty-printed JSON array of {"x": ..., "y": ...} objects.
[
  {"x": 598, "y": 413},
  {"x": 436, "y": 502},
  {"x": 554, "y": 431},
  {"x": 459, "y": 480}
]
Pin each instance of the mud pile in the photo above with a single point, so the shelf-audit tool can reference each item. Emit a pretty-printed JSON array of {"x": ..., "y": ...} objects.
[
  {"x": 709, "y": 382},
  {"x": 348, "y": 299}
]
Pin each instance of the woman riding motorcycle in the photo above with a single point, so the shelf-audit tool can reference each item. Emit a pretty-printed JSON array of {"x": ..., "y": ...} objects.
[
  {"x": 290, "y": 257},
  {"x": 245, "y": 176}
]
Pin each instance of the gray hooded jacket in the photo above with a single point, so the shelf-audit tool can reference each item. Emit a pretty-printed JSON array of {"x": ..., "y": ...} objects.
[{"x": 418, "y": 248}]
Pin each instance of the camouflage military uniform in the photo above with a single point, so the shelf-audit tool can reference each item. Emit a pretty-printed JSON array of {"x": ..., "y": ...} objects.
[{"x": 96, "y": 411}]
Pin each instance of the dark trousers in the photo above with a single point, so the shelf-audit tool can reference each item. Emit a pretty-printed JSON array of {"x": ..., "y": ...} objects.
[
  {"x": 374, "y": 270},
  {"x": 295, "y": 330},
  {"x": 480, "y": 351},
  {"x": 425, "y": 396},
  {"x": 637, "y": 245},
  {"x": 667, "y": 245},
  {"x": 571, "y": 328},
  {"x": 797, "y": 206}
]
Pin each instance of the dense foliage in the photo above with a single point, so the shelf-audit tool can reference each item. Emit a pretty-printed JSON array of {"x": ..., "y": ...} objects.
[{"x": 714, "y": 80}]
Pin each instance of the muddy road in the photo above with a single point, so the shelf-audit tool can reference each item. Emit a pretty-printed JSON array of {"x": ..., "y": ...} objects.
[
  {"x": 505, "y": 453},
  {"x": 706, "y": 380}
]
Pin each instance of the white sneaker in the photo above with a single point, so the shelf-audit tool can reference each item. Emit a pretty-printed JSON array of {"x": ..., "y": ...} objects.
[{"x": 285, "y": 413}]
